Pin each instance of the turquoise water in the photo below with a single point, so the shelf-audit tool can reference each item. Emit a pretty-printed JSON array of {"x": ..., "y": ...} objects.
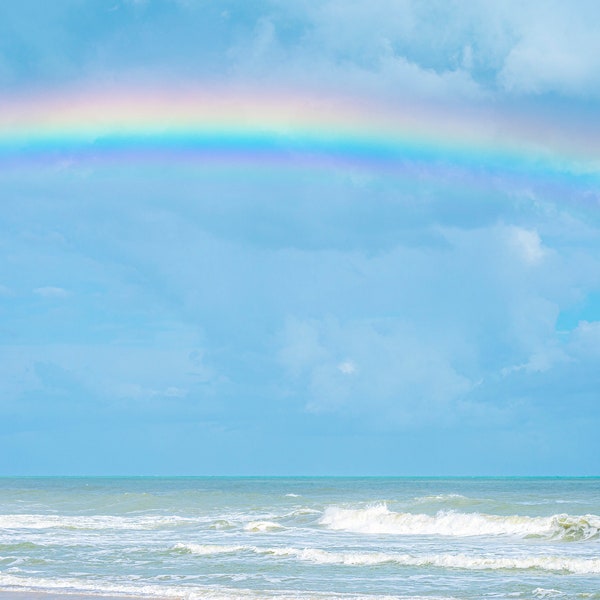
[{"x": 302, "y": 537}]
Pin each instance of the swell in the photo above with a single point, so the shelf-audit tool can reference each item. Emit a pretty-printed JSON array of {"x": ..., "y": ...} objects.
[{"x": 379, "y": 519}]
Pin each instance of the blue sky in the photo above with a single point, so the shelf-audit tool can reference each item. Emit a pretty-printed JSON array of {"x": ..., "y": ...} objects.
[{"x": 239, "y": 319}]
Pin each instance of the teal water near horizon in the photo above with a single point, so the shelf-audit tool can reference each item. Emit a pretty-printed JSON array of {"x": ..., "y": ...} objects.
[{"x": 302, "y": 537}]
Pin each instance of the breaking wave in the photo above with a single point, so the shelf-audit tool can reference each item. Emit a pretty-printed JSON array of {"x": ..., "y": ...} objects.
[{"x": 379, "y": 519}]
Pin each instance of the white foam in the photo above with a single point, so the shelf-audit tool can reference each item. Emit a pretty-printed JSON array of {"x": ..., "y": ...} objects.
[{"x": 379, "y": 519}]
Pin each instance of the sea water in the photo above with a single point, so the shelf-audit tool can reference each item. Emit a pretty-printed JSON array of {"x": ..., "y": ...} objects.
[{"x": 321, "y": 538}]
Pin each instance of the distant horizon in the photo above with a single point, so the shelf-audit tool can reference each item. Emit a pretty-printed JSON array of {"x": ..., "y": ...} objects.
[{"x": 222, "y": 476}]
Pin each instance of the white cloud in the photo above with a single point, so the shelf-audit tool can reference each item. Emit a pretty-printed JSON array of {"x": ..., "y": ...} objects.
[
  {"x": 466, "y": 318},
  {"x": 585, "y": 340},
  {"x": 402, "y": 377},
  {"x": 528, "y": 244},
  {"x": 51, "y": 292},
  {"x": 354, "y": 47},
  {"x": 301, "y": 347},
  {"x": 537, "y": 47},
  {"x": 164, "y": 371},
  {"x": 540, "y": 361},
  {"x": 558, "y": 49},
  {"x": 174, "y": 392},
  {"x": 136, "y": 391},
  {"x": 347, "y": 367}
]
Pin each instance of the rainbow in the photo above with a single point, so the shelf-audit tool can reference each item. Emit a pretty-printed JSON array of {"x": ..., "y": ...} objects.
[{"x": 231, "y": 125}]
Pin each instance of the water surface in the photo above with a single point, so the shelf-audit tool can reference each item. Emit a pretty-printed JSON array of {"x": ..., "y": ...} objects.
[{"x": 319, "y": 538}]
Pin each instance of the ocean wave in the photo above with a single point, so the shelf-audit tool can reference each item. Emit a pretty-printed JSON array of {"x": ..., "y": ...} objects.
[
  {"x": 575, "y": 528},
  {"x": 450, "y": 561},
  {"x": 19, "y": 546},
  {"x": 300, "y": 512},
  {"x": 221, "y": 524},
  {"x": 139, "y": 522},
  {"x": 546, "y": 593},
  {"x": 92, "y": 522},
  {"x": 379, "y": 519},
  {"x": 262, "y": 526},
  {"x": 442, "y": 498},
  {"x": 208, "y": 549},
  {"x": 67, "y": 586}
]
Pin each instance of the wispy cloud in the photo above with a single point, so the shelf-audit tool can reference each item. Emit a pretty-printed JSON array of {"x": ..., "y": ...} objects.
[{"x": 51, "y": 292}]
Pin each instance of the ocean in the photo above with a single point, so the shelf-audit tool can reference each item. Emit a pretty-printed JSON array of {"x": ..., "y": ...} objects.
[{"x": 306, "y": 538}]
